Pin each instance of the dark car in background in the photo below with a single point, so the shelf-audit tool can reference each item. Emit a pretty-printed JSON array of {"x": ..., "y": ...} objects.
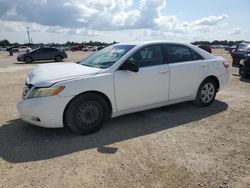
[
  {"x": 244, "y": 67},
  {"x": 230, "y": 48},
  {"x": 240, "y": 51},
  {"x": 206, "y": 48},
  {"x": 42, "y": 54}
]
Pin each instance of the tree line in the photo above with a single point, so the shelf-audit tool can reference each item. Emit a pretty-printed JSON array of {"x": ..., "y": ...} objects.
[
  {"x": 98, "y": 43},
  {"x": 68, "y": 43},
  {"x": 218, "y": 42}
]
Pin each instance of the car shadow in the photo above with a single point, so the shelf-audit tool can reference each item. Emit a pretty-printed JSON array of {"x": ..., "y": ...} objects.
[
  {"x": 22, "y": 142},
  {"x": 247, "y": 80}
]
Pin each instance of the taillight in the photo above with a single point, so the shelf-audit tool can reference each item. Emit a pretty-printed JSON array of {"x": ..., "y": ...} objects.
[{"x": 226, "y": 64}]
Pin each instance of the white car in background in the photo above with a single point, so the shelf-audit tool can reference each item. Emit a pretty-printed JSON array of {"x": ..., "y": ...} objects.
[
  {"x": 90, "y": 48},
  {"x": 3, "y": 48},
  {"x": 120, "y": 79},
  {"x": 22, "y": 49}
]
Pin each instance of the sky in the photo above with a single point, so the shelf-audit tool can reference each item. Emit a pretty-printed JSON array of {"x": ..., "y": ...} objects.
[{"x": 124, "y": 20}]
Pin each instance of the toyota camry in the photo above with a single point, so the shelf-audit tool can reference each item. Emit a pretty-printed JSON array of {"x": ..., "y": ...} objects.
[{"x": 120, "y": 79}]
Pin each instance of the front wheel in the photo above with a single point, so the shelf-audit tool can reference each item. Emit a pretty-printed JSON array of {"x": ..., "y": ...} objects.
[
  {"x": 86, "y": 114},
  {"x": 206, "y": 93},
  {"x": 242, "y": 73},
  {"x": 28, "y": 60},
  {"x": 58, "y": 58}
]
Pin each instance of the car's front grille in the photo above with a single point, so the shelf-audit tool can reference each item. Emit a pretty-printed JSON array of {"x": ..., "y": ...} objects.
[{"x": 26, "y": 89}]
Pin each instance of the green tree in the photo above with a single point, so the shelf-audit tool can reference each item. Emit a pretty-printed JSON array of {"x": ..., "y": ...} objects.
[{"x": 4, "y": 42}]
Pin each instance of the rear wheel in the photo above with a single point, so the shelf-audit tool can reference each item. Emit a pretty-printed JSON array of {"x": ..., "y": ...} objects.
[
  {"x": 58, "y": 58},
  {"x": 86, "y": 114},
  {"x": 206, "y": 93},
  {"x": 28, "y": 60}
]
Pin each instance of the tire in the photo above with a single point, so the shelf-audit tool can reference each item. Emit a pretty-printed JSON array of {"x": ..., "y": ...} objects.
[
  {"x": 28, "y": 59},
  {"x": 240, "y": 69},
  {"x": 206, "y": 93},
  {"x": 58, "y": 58},
  {"x": 243, "y": 74},
  {"x": 86, "y": 114}
]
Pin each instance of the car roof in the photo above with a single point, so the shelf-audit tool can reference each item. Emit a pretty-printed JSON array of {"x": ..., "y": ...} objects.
[
  {"x": 136, "y": 43},
  {"x": 47, "y": 48}
]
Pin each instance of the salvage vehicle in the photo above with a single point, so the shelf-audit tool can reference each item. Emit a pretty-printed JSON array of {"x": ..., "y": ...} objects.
[
  {"x": 39, "y": 54},
  {"x": 244, "y": 67},
  {"x": 241, "y": 50},
  {"x": 120, "y": 79}
]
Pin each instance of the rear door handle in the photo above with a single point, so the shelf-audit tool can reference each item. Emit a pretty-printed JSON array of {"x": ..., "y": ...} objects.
[
  {"x": 163, "y": 71},
  {"x": 203, "y": 65}
]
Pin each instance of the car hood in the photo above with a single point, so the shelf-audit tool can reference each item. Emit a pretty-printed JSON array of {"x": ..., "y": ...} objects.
[
  {"x": 23, "y": 54},
  {"x": 46, "y": 75}
]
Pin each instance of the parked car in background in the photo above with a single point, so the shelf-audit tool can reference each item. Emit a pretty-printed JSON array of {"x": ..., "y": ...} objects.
[
  {"x": 22, "y": 49},
  {"x": 240, "y": 51},
  {"x": 89, "y": 48},
  {"x": 120, "y": 79},
  {"x": 206, "y": 48},
  {"x": 42, "y": 54},
  {"x": 3, "y": 48},
  {"x": 77, "y": 48},
  {"x": 244, "y": 67},
  {"x": 19, "y": 49},
  {"x": 13, "y": 48},
  {"x": 230, "y": 48},
  {"x": 100, "y": 47}
]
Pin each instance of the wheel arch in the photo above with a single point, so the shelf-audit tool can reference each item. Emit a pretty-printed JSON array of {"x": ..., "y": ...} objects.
[
  {"x": 58, "y": 55},
  {"x": 105, "y": 97},
  {"x": 28, "y": 56},
  {"x": 216, "y": 80}
]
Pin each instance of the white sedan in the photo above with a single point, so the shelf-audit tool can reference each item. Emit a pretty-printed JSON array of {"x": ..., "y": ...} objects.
[
  {"x": 22, "y": 49},
  {"x": 120, "y": 79}
]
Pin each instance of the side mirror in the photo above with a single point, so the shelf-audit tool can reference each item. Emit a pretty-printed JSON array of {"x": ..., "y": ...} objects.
[{"x": 130, "y": 66}]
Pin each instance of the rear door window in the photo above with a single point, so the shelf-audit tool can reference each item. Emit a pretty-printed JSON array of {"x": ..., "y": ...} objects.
[
  {"x": 195, "y": 55},
  {"x": 180, "y": 53}
]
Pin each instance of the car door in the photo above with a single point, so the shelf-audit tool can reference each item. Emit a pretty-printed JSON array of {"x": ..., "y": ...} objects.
[
  {"x": 187, "y": 69},
  {"x": 148, "y": 86},
  {"x": 37, "y": 54},
  {"x": 50, "y": 53}
]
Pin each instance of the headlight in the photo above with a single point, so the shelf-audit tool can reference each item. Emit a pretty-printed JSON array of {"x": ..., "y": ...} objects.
[
  {"x": 242, "y": 62},
  {"x": 45, "y": 92}
]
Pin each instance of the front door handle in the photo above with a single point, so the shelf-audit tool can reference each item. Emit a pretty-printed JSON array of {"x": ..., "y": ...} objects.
[
  {"x": 164, "y": 71},
  {"x": 203, "y": 65}
]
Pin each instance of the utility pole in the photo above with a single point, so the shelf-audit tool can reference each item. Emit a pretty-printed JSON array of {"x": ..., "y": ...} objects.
[{"x": 28, "y": 32}]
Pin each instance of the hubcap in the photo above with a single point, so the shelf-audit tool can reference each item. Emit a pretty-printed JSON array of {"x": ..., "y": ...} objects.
[
  {"x": 88, "y": 114},
  {"x": 28, "y": 59},
  {"x": 207, "y": 93}
]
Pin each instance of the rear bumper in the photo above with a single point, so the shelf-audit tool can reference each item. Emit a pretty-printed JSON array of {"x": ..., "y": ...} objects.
[{"x": 223, "y": 79}]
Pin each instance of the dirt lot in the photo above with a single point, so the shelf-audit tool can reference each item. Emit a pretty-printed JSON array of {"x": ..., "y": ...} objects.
[{"x": 175, "y": 146}]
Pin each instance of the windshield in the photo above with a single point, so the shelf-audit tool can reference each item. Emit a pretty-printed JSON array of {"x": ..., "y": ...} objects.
[
  {"x": 107, "y": 56},
  {"x": 243, "y": 47}
]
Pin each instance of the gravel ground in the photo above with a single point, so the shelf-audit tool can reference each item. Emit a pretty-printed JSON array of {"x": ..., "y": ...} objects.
[{"x": 175, "y": 146}]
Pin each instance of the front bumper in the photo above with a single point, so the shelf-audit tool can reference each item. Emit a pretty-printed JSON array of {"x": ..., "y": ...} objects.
[
  {"x": 19, "y": 59},
  {"x": 44, "y": 111},
  {"x": 244, "y": 70}
]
